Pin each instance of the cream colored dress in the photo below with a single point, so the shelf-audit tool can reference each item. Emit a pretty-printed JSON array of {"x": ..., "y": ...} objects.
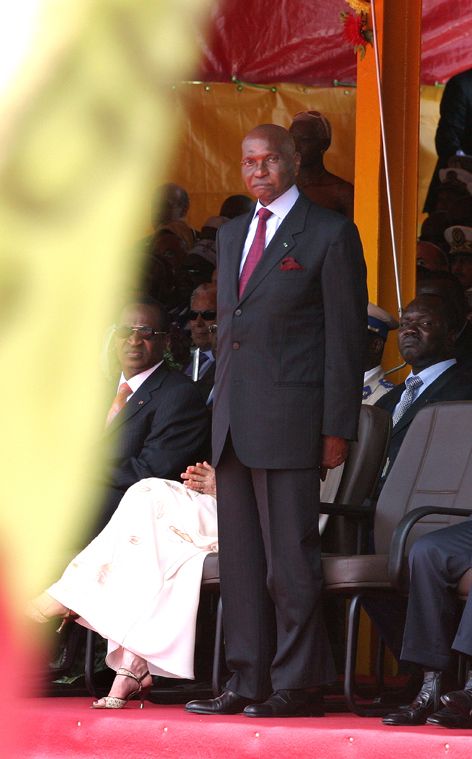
[{"x": 138, "y": 582}]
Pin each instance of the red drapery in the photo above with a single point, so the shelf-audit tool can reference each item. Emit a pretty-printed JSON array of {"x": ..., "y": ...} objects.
[{"x": 302, "y": 41}]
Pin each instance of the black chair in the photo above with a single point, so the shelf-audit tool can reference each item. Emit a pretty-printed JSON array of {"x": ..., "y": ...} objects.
[{"x": 428, "y": 488}]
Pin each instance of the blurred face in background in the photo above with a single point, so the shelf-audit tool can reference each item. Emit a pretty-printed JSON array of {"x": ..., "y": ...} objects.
[{"x": 203, "y": 311}]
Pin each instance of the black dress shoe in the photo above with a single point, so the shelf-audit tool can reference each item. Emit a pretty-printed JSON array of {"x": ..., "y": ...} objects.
[
  {"x": 425, "y": 703},
  {"x": 405, "y": 695},
  {"x": 228, "y": 703},
  {"x": 288, "y": 703},
  {"x": 459, "y": 701},
  {"x": 445, "y": 717}
]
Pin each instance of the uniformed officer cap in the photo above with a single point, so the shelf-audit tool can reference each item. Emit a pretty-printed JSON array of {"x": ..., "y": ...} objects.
[{"x": 380, "y": 321}]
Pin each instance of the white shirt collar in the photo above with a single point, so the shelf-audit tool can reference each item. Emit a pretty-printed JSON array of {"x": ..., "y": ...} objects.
[
  {"x": 283, "y": 204},
  {"x": 137, "y": 380},
  {"x": 434, "y": 371}
]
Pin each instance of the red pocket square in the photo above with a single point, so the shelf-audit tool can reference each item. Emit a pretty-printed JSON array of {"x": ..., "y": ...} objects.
[{"x": 290, "y": 264}]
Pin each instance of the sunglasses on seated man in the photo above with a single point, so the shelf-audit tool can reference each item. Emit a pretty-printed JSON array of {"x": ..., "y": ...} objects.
[
  {"x": 208, "y": 316},
  {"x": 145, "y": 333}
]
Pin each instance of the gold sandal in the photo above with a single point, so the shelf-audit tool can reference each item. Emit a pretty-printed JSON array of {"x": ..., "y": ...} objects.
[{"x": 113, "y": 702}]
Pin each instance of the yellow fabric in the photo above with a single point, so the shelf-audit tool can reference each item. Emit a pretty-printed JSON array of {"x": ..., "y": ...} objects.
[
  {"x": 430, "y": 98},
  {"x": 216, "y": 116},
  {"x": 86, "y": 131}
]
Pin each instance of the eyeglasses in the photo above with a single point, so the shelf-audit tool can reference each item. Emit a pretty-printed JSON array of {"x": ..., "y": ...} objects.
[
  {"x": 145, "y": 333},
  {"x": 208, "y": 316}
]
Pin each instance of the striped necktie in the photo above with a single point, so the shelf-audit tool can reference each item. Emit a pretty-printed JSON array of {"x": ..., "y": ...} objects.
[{"x": 409, "y": 395}]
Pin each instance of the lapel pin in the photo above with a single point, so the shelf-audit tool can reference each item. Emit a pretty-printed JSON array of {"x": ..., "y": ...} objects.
[
  {"x": 285, "y": 244},
  {"x": 140, "y": 403}
]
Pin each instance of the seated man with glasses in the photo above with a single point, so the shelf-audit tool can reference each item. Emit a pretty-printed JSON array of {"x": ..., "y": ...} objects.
[
  {"x": 158, "y": 423},
  {"x": 202, "y": 317}
]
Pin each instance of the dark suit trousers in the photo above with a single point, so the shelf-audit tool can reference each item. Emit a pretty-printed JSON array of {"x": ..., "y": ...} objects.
[
  {"x": 271, "y": 578},
  {"x": 437, "y": 561}
]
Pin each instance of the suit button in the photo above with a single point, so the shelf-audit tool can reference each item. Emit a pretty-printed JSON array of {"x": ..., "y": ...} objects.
[
  {"x": 236, "y": 346},
  {"x": 238, "y": 312}
]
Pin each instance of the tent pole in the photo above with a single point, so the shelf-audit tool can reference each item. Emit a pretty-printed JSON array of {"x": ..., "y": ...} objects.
[{"x": 385, "y": 160}]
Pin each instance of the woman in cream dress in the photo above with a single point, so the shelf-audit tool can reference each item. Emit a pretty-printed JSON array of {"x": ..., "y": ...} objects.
[{"x": 138, "y": 582}]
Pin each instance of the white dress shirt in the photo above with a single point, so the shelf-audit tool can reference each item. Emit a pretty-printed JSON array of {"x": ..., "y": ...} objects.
[{"x": 280, "y": 207}]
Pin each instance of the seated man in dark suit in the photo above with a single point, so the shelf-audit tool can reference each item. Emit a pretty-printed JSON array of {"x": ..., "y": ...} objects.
[
  {"x": 437, "y": 562},
  {"x": 426, "y": 338},
  {"x": 202, "y": 317},
  {"x": 158, "y": 423}
]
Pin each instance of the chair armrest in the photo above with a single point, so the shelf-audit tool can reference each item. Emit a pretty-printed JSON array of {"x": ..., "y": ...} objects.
[
  {"x": 360, "y": 517},
  {"x": 403, "y": 529},
  {"x": 345, "y": 510}
]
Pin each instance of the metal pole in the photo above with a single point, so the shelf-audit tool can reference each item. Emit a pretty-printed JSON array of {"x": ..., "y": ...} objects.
[{"x": 385, "y": 160}]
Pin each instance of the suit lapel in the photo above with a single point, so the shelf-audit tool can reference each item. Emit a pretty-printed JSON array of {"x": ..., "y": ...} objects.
[
  {"x": 139, "y": 399},
  {"x": 280, "y": 246},
  {"x": 390, "y": 399}
]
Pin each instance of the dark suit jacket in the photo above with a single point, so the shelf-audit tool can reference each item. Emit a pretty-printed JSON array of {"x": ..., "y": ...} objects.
[
  {"x": 454, "y": 384},
  {"x": 163, "y": 427},
  {"x": 205, "y": 383},
  {"x": 463, "y": 347},
  {"x": 454, "y": 130},
  {"x": 291, "y": 351}
]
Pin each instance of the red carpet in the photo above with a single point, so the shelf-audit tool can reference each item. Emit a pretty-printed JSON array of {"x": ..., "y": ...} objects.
[{"x": 67, "y": 727}]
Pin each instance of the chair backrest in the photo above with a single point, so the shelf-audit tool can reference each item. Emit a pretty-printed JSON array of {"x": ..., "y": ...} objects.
[
  {"x": 366, "y": 457},
  {"x": 359, "y": 478},
  {"x": 433, "y": 468}
]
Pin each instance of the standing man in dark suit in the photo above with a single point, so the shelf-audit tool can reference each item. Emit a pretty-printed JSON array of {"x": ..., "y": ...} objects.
[
  {"x": 158, "y": 423},
  {"x": 426, "y": 339},
  {"x": 454, "y": 132},
  {"x": 292, "y": 307}
]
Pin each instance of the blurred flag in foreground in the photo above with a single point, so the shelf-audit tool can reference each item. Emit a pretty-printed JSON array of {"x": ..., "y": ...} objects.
[{"x": 86, "y": 132}]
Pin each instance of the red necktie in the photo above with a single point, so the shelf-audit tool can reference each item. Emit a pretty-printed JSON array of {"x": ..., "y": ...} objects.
[
  {"x": 256, "y": 250},
  {"x": 123, "y": 391}
]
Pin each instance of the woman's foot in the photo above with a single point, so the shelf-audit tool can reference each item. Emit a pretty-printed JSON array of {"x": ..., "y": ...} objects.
[{"x": 129, "y": 682}]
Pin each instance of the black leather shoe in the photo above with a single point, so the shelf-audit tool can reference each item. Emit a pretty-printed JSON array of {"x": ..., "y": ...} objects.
[
  {"x": 288, "y": 703},
  {"x": 445, "y": 717},
  {"x": 459, "y": 701},
  {"x": 425, "y": 703},
  {"x": 228, "y": 703},
  {"x": 405, "y": 695}
]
